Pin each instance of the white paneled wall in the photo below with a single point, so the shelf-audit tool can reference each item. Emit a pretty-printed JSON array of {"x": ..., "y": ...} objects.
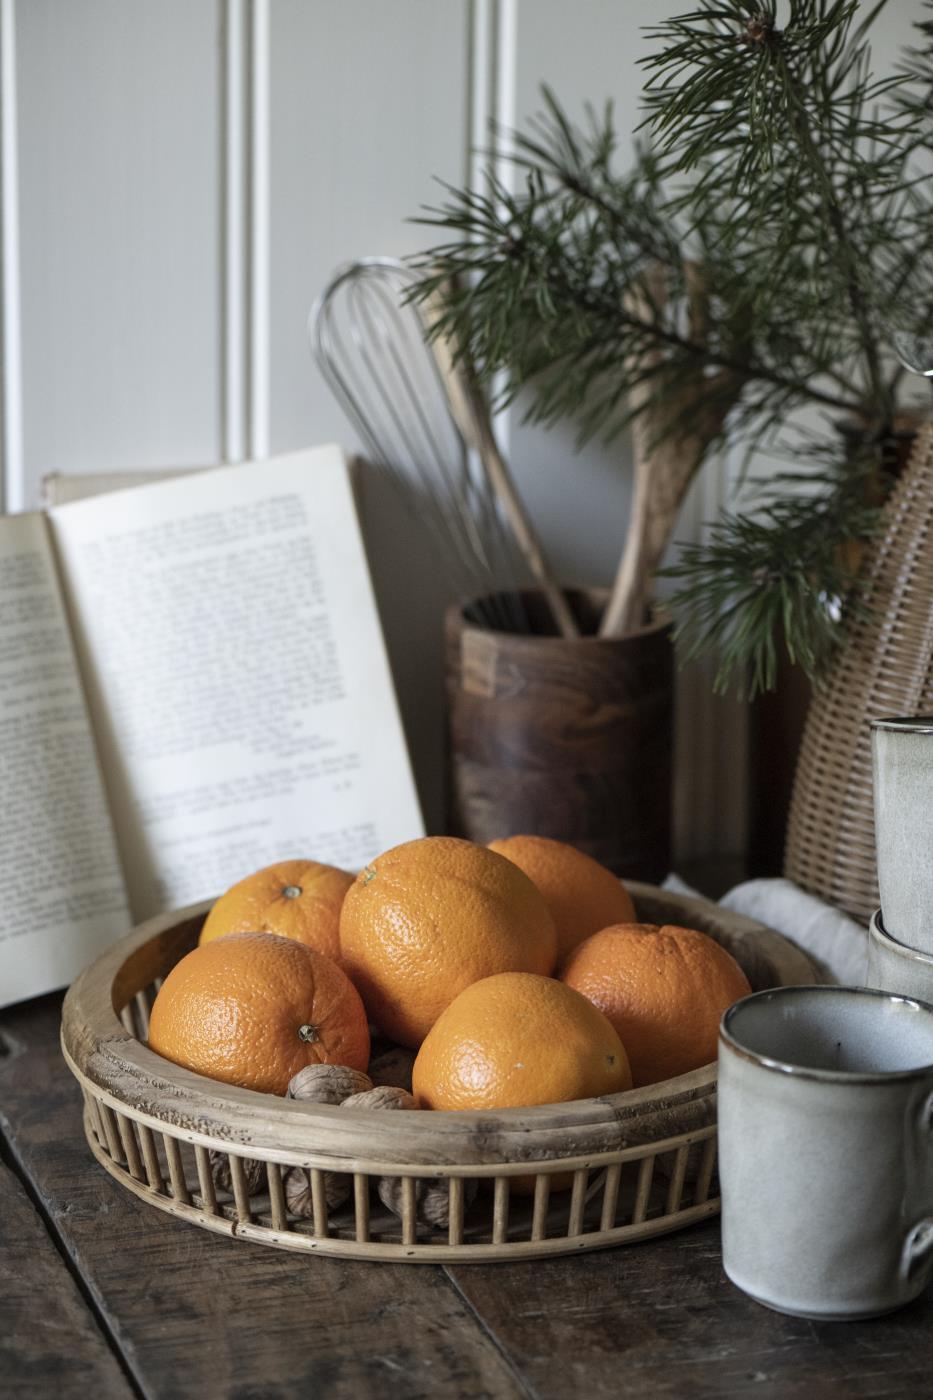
[
  {"x": 179, "y": 177},
  {"x": 368, "y": 102},
  {"x": 118, "y": 133}
]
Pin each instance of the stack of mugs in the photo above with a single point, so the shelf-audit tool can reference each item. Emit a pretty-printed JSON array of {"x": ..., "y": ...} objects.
[
  {"x": 900, "y": 943},
  {"x": 826, "y": 1092}
]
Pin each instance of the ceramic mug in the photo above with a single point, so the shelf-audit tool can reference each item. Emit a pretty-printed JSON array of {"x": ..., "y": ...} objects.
[
  {"x": 902, "y": 756},
  {"x": 893, "y": 967},
  {"x": 826, "y": 1149}
]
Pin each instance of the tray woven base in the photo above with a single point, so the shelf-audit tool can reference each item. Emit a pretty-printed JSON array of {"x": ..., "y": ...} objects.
[
  {"x": 633, "y": 1198},
  {"x": 521, "y": 1183}
]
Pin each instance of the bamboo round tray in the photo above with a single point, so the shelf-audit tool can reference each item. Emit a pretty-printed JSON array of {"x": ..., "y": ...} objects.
[{"x": 594, "y": 1172}]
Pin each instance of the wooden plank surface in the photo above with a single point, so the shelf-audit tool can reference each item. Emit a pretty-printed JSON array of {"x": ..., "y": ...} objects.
[
  {"x": 661, "y": 1320},
  {"x": 50, "y": 1342},
  {"x": 195, "y": 1314},
  {"x": 200, "y": 1316}
]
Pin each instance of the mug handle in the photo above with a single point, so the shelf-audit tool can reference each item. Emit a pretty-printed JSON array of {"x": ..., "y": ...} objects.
[{"x": 917, "y": 1253}]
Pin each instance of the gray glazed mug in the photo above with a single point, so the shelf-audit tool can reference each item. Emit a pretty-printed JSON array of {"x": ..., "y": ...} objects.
[
  {"x": 826, "y": 1149},
  {"x": 902, "y": 756},
  {"x": 893, "y": 967}
]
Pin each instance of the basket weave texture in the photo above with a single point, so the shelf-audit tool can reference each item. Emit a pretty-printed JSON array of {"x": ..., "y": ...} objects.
[
  {"x": 403, "y": 1186},
  {"x": 884, "y": 668}
]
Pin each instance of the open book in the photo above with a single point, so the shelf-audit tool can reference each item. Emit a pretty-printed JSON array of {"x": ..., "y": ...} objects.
[{"x": 193, "y": 684}]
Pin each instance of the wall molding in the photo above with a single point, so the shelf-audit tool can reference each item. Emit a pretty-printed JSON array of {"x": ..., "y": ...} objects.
[
  {"x": 479, "y": 88},
  {"x": 234, "y": 174},
  {"x": 506, "y": 71},
  {"x": 12, "y": 461},
  {"x": 245, "y": 227},
  {"x": 492, "y": 59},
  {"x": 260, "y": 223}
]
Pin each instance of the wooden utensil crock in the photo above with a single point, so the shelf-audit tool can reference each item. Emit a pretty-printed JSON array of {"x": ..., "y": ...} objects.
[{"x": 567, "y": 738}]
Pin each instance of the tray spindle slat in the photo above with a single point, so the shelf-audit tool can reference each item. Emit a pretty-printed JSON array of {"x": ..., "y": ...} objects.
[
  {"x": 577, "y": 1201},
  {"x": 276, "y": 1196},
  {"x": 643, "y": 1189},
  {"x": 240, "y": 1188},
  {"x": 206, "y": 1180},
  {"x": 126, "y": 1019},
  {"x": 500, "y": 1210},
  {"x": 176, "y": 1171},
  {"x": 455, "y": 1211},
  {"x": 130, "y": 1150},
  {"x": 539, "y": 1209},
  {"x": 318, "y": 1202},
  {"x": 409, "y": 1210},
  {"x": 142, "y": 1016},
  {"x": 109, "y": 1121},
  {"x": 361, "y": 1205},
  {"x": 97, "y": 1121},
  {"x": 137, "y": 1028},
  {"x": 94, "y": 1117},
  {"x": 610, "y": 1196},
  {"x": 705, "y": 1176},
  {"x": 676, "y": 1187},
  {"x": 151, "y": 1160}
]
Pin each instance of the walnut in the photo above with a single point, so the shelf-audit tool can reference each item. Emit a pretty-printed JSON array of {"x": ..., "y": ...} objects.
[
  {"x": 327, "y": 1084},
  {"x": 432, "y": 1198},
  {"x": 394, "y": 1067},
  {"x": 220, "y": 1171},
  {"x": 382, "y": 1096},
  {"x": 298, "y": 1191}
]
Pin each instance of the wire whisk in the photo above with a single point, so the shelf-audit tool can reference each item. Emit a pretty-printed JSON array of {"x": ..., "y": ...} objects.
[{"x": 425, "y": 426}]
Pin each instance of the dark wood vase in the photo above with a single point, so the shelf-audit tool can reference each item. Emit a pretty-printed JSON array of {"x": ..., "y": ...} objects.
[{"x": 570, "y": 739}]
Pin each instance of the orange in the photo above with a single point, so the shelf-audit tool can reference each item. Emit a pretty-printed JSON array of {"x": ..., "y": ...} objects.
[
  {"x": 515, "y": 1040},
  {"x": 582, "y": 895},
  {"x": 664, "y": 990},
  {"x": 427, "y": 919},
  {"x": 297, "y": 898},
  {"x": 253, "y": 1009}
]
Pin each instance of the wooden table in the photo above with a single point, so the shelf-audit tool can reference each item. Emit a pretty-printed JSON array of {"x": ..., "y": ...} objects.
[{"x": 102, "y": 1296}]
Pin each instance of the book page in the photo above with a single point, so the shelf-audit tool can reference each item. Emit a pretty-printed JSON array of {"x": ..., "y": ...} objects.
[
  {"x": 237, "y": 676},
  {"x": 62, "y": 897},
  {"x": 59, "y": 488}
]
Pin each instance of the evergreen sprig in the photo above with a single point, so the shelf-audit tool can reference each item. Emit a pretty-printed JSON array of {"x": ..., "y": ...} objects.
[
  {"x": 784, "y": 571},
  {"x": 779, "y": 173}
]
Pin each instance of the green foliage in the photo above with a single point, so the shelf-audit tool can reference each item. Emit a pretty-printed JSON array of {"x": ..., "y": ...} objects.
[
  {"x": 777, "y": 164},
  {"x": 783, "y": 572}
]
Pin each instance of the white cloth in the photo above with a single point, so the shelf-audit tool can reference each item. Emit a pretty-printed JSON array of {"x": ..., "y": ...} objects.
[
  {"x": 836, "y": 943},
  {"x": 832, "y": 939}
]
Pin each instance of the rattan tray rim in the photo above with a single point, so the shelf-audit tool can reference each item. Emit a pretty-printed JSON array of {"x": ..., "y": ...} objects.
[
  {"x": 164, "y": 1133},
  {"x": 105, "y": 1056}
]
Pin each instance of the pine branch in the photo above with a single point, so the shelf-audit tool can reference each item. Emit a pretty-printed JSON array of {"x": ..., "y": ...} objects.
[
  {"x": 786, "y": 574},
  {"x": 816, "y": 75},
  {"x": 783, "y": 169}
]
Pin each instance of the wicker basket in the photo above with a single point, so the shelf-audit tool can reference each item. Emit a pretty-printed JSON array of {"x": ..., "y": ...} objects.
[
  {"x": 638, "y": 1164},
  {"x": 885, "y": 668}
]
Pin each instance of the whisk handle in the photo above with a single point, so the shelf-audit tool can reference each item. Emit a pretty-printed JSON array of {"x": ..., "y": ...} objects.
[
  {"x": 525, "y": 534},
  {"x": 471, "y": 415}
]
